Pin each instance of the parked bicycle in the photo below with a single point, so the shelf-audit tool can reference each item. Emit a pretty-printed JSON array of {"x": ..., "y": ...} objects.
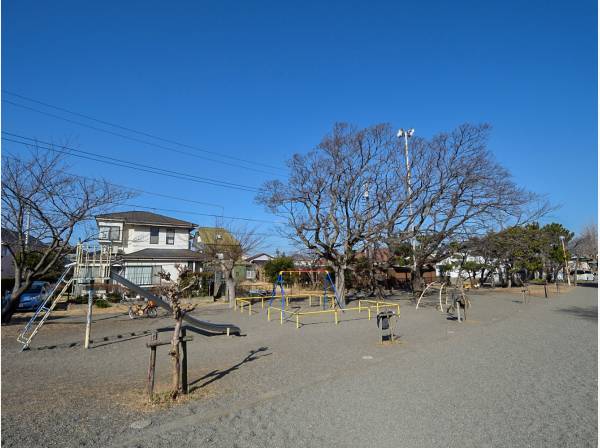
[{"x": 148, "y": 309}]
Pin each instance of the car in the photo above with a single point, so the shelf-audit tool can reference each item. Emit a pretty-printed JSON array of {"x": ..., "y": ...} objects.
[{"x": 32, "y": 298}]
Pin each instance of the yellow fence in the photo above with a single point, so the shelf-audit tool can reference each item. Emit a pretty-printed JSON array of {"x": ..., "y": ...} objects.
[
  {"x": 378, "y": 304},
  {"x": 296, "y": 315},
  {"x": 363, "y": 305},
  {"x": 241, "y": 302}
]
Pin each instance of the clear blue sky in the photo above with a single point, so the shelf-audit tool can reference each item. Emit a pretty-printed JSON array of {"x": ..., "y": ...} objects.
[{"x": 261, "y": 80}]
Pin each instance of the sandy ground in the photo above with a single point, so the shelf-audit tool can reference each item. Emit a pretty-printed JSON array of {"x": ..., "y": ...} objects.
[{"x": 514, "y": 374}]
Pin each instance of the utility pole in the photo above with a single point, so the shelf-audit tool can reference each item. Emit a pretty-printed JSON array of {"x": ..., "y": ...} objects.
[
  {"x": 28, "y": 228},
  {"x": 370, "y": 251},
  {"x": 406, "y": 134},
  {"x": 562, "y": 240}
]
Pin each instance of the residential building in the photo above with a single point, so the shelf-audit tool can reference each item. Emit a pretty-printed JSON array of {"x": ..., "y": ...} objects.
[
  {"x": 257, "y": 266},
  {"x": 147, "y": 243}
]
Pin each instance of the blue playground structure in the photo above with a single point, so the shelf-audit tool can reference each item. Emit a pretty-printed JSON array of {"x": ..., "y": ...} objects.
[{"x": 327, "y": 282}]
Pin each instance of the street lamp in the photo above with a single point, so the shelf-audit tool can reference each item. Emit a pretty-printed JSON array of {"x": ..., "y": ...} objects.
[
  {"x": 562, "y": 241},
  {"x": 407, "y": 134}
]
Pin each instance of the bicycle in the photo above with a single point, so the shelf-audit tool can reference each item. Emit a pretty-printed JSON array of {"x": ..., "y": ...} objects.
[{"x": 148, "y": 309}]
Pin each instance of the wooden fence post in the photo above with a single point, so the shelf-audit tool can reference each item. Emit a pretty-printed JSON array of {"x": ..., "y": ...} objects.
[
  {"x": 184, "y": 375},
  {"x": 152, "y": 366}
]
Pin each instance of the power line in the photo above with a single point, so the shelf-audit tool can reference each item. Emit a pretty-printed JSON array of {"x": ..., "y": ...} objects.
[
  {"x": 222, "y": 216},
  {"x": 201, "y": 214},
  {"x": 173, "y": 142},
  {"x": 126, "y": 164},
  {"x": 150, "y": 193}
]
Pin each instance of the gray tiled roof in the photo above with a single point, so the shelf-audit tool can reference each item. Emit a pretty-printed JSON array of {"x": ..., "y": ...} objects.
[
  {"x": 140, "y": 217},
  {"x": 165, "y": 254}
]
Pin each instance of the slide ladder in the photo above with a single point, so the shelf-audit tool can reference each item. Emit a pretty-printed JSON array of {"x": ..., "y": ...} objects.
[{"x": 45, "y": 309}]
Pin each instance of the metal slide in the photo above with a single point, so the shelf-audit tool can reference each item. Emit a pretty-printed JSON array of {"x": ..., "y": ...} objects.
[{"x": 202, "y": 325}]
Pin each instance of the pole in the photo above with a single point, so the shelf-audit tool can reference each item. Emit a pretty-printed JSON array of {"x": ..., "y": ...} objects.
[
  {"x": 88, "y": 321},
  {"x": 562, "y": 240},
  {"x": 28, "y": 228},
  {"x": 152, "y": 366},
  {"x": 184, "y": 373},
  {"x": 410, "y": 208}
]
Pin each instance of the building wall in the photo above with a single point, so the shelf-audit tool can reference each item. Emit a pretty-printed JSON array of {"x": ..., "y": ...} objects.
[
  {"x": 8, "y": 269},
  {"x": 138, "y": 238}
]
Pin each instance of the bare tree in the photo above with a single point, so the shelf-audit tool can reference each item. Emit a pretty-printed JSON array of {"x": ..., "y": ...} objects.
[
  {"x": 229, "y": 252},
  {"x": 586, "y": 243},
  {"x": 352, "y": 191},
  {"x": 341, "y": 195},
  {"x": 44, "y": 203},
  {"x": 174, "y": 291},
  {"x": 460, "y": 192}
]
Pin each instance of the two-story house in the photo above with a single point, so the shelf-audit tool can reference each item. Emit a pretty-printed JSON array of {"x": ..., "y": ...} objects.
[{"x": 148, "y": 243}]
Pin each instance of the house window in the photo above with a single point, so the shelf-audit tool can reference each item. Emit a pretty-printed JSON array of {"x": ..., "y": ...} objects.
[
  {"x": 250, "y": 274},
  {"x": 171, "y": 236},
  {"x": 111, "y": 233},
  {"x": 140, "y": 275},
  {"x": 153, "y": 235}
]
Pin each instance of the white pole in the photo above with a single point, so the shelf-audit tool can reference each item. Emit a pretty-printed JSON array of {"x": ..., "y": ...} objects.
[
  {"x": 410, "y": 208},
  {"x": 28, "y": 227},
  {"x": 562, "y": 240},
  {"x": 88, "y": 321}
]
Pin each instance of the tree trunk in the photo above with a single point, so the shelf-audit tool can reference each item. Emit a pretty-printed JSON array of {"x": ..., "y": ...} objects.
[
  {"x": 417, "y": 279},
  {"x": 175, "y": 358},
  {"x": 15, "y": 298},
  {"x": 340, "y": 284},
  {"x": 230, "y": 284}
]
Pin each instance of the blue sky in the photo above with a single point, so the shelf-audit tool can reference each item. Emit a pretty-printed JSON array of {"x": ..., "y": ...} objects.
[{"x": 262, "y": 80}]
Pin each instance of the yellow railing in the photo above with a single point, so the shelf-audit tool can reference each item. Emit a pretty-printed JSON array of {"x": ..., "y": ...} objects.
[
  {"x": 240, "y": 302},
  {"x": 378, "y": 304},
  {"x": 297, "y": 314}
]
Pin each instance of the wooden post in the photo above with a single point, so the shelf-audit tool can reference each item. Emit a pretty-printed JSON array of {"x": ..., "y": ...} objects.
[
  {"x": 546, "y": 290},
  {"x": 88, "y": 321},
  {"x": 184, "y": 375},
  {"x": 152, "y": 366}
]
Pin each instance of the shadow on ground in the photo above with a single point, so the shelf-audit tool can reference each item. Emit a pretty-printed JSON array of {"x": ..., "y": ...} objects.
[
  {"x": 590, "y": 313},
  {"x": 218, "y": 374}
]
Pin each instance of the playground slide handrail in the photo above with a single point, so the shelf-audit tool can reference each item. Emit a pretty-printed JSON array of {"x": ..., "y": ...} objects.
[{"x": 201, "y": 324}]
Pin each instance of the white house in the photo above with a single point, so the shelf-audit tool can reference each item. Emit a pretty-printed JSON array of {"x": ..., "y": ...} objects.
[{"x": 148, "y": 243}]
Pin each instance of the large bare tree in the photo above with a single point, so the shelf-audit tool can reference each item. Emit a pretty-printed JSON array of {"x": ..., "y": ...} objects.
[
  {"x": 341, "y": 195},
  {"x": 460, "y": 191},
  {"x": 353, "y": 191},
  {"x": 43, "y": 203}
]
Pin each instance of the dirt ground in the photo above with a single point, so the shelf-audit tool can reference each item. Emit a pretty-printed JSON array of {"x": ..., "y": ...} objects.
[{"x": 244, "y": 389}]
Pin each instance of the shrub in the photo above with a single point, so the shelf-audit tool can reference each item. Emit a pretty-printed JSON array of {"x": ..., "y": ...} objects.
[{"x": 102, "y": 303}]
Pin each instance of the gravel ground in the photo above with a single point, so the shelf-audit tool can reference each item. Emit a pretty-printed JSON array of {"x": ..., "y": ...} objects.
[{"x": 513, "y": 375}]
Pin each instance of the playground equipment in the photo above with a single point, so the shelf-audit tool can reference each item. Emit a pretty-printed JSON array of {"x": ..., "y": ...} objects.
[
  {"x": 459, "y": 300},
  {"x": 387, "y": 321},
  {"x": 94, "y": 265},
  {"x": 329, "y": 305},
  {"x": 432, "y": 285},
  {"x": 327, "y": 282}
]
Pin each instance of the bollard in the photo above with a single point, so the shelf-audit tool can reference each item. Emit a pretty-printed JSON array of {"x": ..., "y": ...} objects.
[
  {"x": 88, "y": 320},
  {"x": 152, "y": 366},
  {"x": 297, "y": 321},
  {"x": 184, "y": 375},
  {"x": 546, "y": 290},
  {"x": 335, "y": 313},
  {"x": 269, "y": 314}
]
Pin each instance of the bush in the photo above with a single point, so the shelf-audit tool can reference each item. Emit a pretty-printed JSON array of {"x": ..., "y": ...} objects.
[
  {"x": 102, "y": 303},
  {"x": 113, "y": 297},
  {"x": 80, "y": 300}
]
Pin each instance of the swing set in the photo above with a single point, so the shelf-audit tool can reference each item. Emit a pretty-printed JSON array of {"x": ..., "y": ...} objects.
[{"x": 327, "y": 282}]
